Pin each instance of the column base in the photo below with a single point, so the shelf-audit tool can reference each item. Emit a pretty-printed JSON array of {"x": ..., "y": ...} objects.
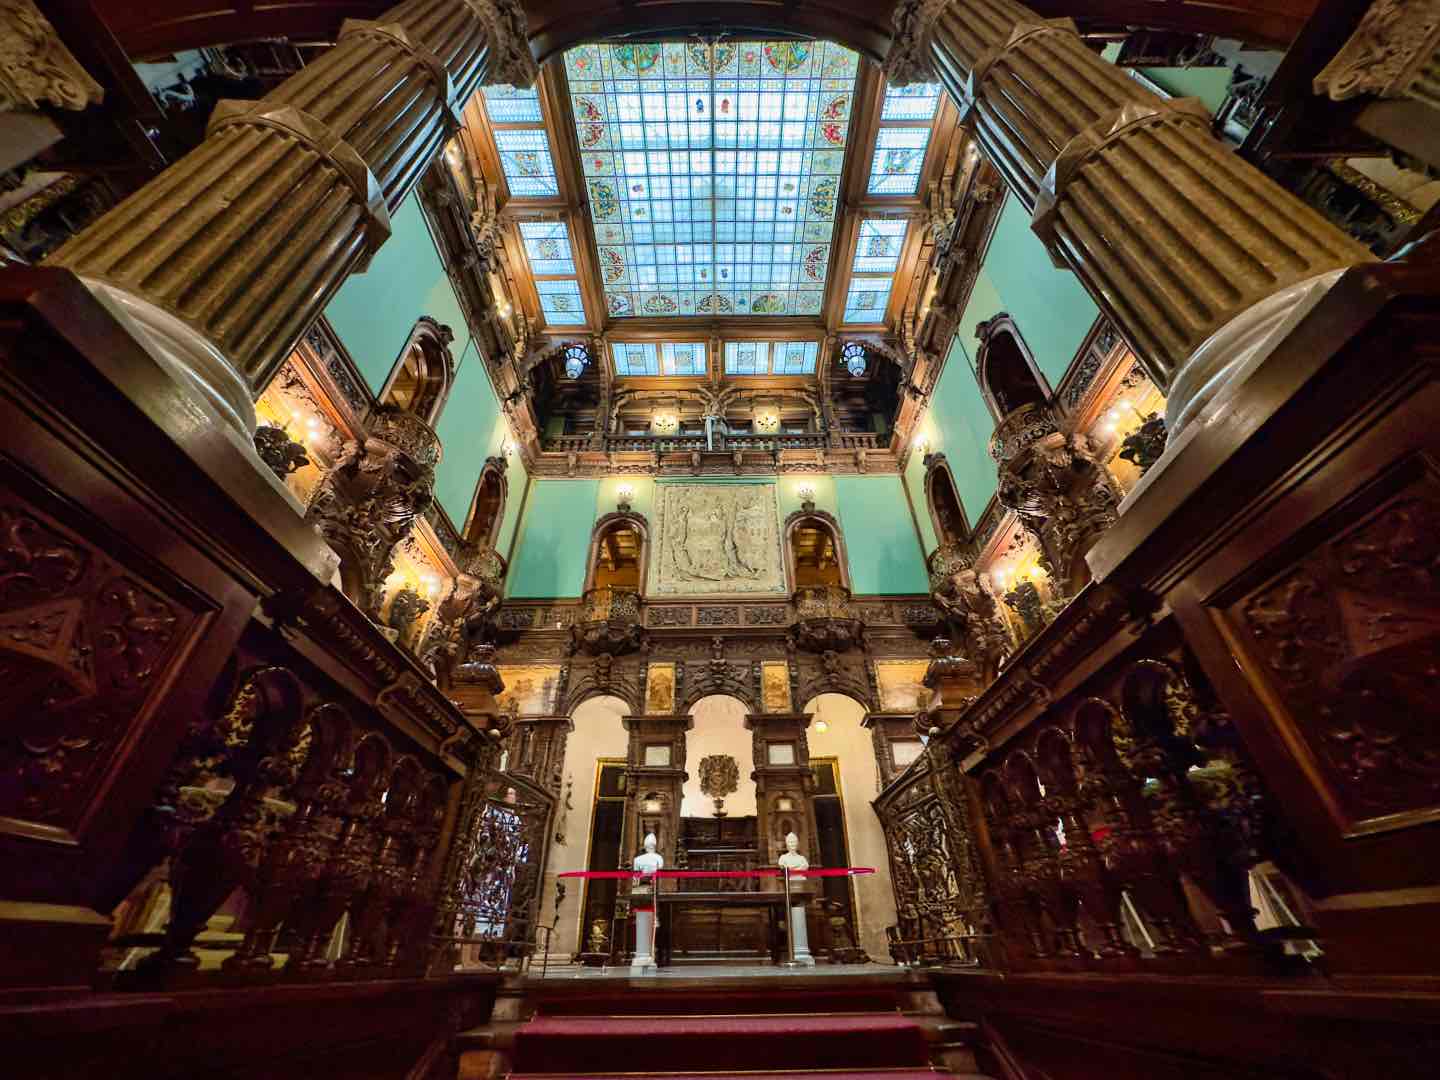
[
  {"x": 194, "y": 362},
  {"x": 1239, "y": 345},
  {"x": 49, "y": 945}
]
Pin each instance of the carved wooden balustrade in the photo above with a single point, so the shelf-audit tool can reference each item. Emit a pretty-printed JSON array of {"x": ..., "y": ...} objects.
[
  {"x": 826, "y": 619},
  {"x": 609, "y": 620}
]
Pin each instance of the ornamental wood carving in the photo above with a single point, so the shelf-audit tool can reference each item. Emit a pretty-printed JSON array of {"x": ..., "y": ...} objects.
[
  {"x": 1348, "y": 635},
  {"x": 86, "y": 640}
]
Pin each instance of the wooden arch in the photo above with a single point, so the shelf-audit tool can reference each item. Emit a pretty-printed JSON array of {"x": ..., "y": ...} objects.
[
  {"x": 428, "y": 349},
  {"x": 939, "y": 478},
  {"x": 1006, "y": 369},
  {"x": 604, "y": 525},
  {"x": 826, "y": 521},
  {"x": 487, "y": 505}
]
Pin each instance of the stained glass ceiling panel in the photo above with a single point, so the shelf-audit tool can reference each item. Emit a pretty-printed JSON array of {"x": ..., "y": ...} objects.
[
  {"x": 712, "y": 171},
  {"x": 915, "y": 102},
  {"x": 512, "y": 105},
  {"x": 547, "y": 246}
]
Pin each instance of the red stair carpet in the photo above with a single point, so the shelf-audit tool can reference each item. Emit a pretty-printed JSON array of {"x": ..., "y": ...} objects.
[{"x": 714, "y": 1035}]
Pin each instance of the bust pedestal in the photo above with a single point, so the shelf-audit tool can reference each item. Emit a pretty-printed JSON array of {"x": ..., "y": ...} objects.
[
  {"x": 642, "y": 907},
  {"x": 801, "y": 892}
]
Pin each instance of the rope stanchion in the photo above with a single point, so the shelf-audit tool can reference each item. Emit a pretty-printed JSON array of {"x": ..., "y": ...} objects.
[{"x": 615, "y": 875}]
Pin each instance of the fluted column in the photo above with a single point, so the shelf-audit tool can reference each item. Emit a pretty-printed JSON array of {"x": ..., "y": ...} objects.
[
  {"x": 1196, "y": 255},
  {"x": 222, "y": 261}
]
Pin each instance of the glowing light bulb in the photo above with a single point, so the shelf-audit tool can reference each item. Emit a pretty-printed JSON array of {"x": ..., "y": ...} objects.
[{"x": 821, "y": 726}]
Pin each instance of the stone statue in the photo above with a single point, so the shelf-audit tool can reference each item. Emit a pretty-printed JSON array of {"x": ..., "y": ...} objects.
[
  {"x": 648, "y": 861},
  {"x": 792, "y": 860}
]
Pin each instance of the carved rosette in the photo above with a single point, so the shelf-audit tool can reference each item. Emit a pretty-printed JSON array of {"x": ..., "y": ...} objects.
[
  {"x": 826, "y": 620},
  {"x": 609, "y": 621},
  {"x": 370, "y": 498}
]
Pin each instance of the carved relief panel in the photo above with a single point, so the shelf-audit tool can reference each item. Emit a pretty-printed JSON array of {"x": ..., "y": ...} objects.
[
  {"x": 87, "y": 639},
  {"x": 1347, "y": 637},
  {"x": 716, "y": 539}
]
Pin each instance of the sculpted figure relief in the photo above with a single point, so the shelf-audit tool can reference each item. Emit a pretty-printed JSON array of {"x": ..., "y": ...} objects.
[{"x": 717, "y": 538}]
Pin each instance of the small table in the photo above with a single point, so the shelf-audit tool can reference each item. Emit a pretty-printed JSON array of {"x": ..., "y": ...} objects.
[{"x": 686, "y": 915}]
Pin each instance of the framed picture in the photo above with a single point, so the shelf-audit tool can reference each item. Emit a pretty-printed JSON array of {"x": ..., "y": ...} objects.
[
  {"x": 781, "y": 753},
  {"x": 530, "y": 689},
  {"x": 902, "y": 685},
  {"x": 657, "y": 754},
  {"x": 660, "y": 689},
  {"x": 775, "y": 686}
]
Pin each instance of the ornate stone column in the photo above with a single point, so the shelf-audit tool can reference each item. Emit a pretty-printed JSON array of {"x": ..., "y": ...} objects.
[
  {"x": 654, "y": 781},
  {"x": 220, "y": 263},
  {"x": 1201, "y": 260},
  {"x": 1393, "y": 53}
]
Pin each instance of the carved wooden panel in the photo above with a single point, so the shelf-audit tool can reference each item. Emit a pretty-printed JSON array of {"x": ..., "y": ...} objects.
[
  {"x": 88, "y": 636},
  {"x": 716, "y": 539},
  {"x": 1347, "y": 637}
]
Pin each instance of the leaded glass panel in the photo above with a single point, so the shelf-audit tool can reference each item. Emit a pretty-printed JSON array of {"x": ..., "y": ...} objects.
[
  {"x": 525, "y": 160},
  {"x": 547, "y": 246},
  {"x": 899, "y": 156},
  {"x": 877, "y": 251},
  {"x": 712, "y": 171},
  {"x": 635, "y": 358},
  {"x": 865, "y": 303},
  {"x": 915, "y": 102},
  {"x": 561, "y": 303},
  {"x": 512, "y": 105}
]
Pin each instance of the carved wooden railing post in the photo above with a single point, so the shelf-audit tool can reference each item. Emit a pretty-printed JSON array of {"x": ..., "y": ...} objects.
[
  {"x": 1193, "y": 253},
  {"x": 220, "y": 263}
]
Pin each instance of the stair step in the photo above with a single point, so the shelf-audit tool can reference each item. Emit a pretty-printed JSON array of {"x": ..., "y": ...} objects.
[
  {"x": 715, "y": 1002},
  {"x": 674, "y": 1044},
  {"x": 803, "y": 1074}
]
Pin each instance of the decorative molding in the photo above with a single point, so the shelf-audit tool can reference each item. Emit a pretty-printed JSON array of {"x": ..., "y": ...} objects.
[
  {"x": 1396, "y": 41},
  {"x": 36, "y": 68}
]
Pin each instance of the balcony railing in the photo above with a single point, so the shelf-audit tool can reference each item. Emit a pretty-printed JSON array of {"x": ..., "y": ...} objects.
[{"x": 718, "y": 443}]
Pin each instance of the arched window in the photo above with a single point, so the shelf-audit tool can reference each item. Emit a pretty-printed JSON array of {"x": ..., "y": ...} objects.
[
  {"x": 1008, "y": 376},
  {"x": 420, "y": 381},
  {"x": 947, "y": 513},
  {"x": 814, "y": 552},
  {"x": 487, "y": 509},
  {"x": 617, "y": 553}
]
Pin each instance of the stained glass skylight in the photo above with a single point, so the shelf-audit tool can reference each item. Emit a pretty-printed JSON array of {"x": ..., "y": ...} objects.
[
  {"x": 865, "y": 303},
  {"x": 525, "y": 160},
  {"x": 547, "y": 246},
  {"x": 668, "y": 358},
  {"x": 512, "y": 105},
  {"x": 877, "y": 250},
  {"x": 561, "y": 302},
  {"x": 899, "y": 156},
  {"x": 712, "y": 171},
  {"x": 770, "y": 357},
  {"x": 914, "y": 102}
]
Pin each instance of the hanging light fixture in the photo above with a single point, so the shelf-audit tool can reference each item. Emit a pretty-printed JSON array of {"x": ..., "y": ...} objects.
[
  {"x": 853, "y": 354},
  {"x": 577, "y": 359}
]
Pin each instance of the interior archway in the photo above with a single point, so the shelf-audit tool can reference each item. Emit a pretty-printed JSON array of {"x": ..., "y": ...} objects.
[
  {"x": 947, "y": 513},
  {"x": 599, "y": 738},
  {"x": 1009, "y": 377},
  {"x": 719, "y": 729},
  {"x": 845, "y": 740},
  {"x": 617, "y": 556},
  {"x": 488, "y": 508}
]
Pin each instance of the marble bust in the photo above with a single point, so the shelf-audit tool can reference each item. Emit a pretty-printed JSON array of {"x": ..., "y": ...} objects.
[
  {"x": 792, "y": 860},
  {"x": 648, "y": 861}
]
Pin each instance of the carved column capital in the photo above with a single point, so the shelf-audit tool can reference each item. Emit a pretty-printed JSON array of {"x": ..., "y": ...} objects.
[
  {"x": 909, "y": 60},
  {"x": 1395, "y": 43},
  {"x": 511, "y": 61},
  {"x": 35, "y": 66}
]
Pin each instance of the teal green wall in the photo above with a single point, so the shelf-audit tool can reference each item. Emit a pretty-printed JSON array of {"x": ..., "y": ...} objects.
[
  {"x": 1051, "y": 307},
  {"x": 1054, "y": 314},
  {"x": 374, "y": 312},
  {"x": 554, "y": 539},
  {"x": 874, "y": 516},
  {"x": 1209, "y": 84},
  {"x": 880, "y": 538}
]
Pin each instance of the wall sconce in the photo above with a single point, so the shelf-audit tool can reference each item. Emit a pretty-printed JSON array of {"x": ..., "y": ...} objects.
[
  {"x": 922, "y": 445},
  {"x": 785, "y": 804},
  {"x": 665, "y": 422},
  {"x": 651, "y": 806},
  {"x": 821, "y": 726},
  {"x": 511, "y": 447},
  {"x": 807, "y": 497},
  {"x": 623, "y": 494},
  {"x": 768, "y": 420}
]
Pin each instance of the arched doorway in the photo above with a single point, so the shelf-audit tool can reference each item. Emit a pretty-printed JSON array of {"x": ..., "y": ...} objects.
[
  {"x": 845, "y": 751},
  {"x": 420, "y": 381},
  {"x": 1009, "y": 377},
  {"x": 589, "y": 833}
]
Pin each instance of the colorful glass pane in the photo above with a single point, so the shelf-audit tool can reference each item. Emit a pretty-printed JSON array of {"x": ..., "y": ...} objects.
[
  {"x": 916, "y": 102},
  {"x": 512, "y": 105},
  {"x": 525, "y": 160},
  {"x": 877, "y": 251},
  {"x": 547, "y": 246},
  {"x": 713, "y": 171},
  {"x": 866, "y": 301},
  {"x": 561, "y": 303},
  {"x": 899, "y": 156}
]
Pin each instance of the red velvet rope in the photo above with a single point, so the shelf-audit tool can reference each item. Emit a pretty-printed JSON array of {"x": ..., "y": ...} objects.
[{"x": 769, "y": 871}]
